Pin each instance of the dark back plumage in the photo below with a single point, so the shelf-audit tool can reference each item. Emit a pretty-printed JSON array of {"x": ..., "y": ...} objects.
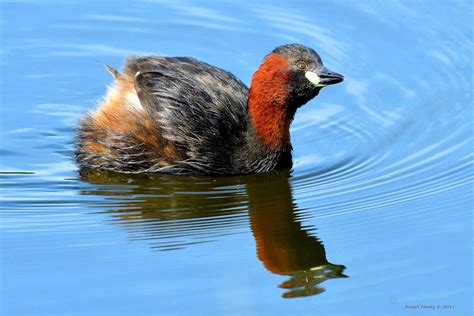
[
  {"x": 203, "y": 121},
  {"x": 199, "y": 109}
]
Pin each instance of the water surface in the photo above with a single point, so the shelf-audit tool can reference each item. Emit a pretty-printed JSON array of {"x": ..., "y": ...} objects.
[{"x": 375, "y": 217}]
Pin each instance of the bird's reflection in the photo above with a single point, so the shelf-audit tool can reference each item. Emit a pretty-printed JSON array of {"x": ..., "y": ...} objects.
[
  {"x": 175, "y": 212},
  {"x": 283, "y": 245}
]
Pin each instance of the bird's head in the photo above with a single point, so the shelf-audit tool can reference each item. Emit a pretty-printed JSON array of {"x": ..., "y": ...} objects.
[
  {"x": 305, "y": 72},
  {"x": 289, "y": 77}
]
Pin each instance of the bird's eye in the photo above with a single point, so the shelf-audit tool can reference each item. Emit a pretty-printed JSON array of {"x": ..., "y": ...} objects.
[{"x": 301, "y": 65}]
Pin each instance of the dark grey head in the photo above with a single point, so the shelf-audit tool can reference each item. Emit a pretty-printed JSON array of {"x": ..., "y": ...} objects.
[{"x": 308, "y": 75}]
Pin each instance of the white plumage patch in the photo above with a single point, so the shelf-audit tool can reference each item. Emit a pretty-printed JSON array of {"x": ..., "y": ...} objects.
[
  {"x": 313, "y": 78},
  {"x": 133, "y": 102}
]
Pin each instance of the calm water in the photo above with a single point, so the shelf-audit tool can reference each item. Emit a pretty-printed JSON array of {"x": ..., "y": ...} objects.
[{"x": 375, "y": 218}]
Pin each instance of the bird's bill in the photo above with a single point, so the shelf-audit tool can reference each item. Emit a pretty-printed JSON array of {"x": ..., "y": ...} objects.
[{"x": 323, "y": 77}]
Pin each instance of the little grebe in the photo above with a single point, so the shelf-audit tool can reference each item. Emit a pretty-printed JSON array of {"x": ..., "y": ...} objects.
[{"x": 181, "y": 115}]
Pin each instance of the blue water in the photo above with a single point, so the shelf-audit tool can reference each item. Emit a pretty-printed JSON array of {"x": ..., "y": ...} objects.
[{"x": 374, "y": 219}]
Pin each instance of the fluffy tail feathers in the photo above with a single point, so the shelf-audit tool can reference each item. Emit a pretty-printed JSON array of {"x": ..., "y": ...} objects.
[{"x": 114, "y": 72}]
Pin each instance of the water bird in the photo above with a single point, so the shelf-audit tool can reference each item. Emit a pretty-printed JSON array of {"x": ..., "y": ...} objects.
[{"x": 180, "y": 115}]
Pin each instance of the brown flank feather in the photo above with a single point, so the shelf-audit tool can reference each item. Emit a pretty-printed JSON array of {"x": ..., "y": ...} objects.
[{"x": 115, "y": 117}]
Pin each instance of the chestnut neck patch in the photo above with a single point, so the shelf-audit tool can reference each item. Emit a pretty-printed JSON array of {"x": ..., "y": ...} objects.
[{"x": 269, "y": 102}]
